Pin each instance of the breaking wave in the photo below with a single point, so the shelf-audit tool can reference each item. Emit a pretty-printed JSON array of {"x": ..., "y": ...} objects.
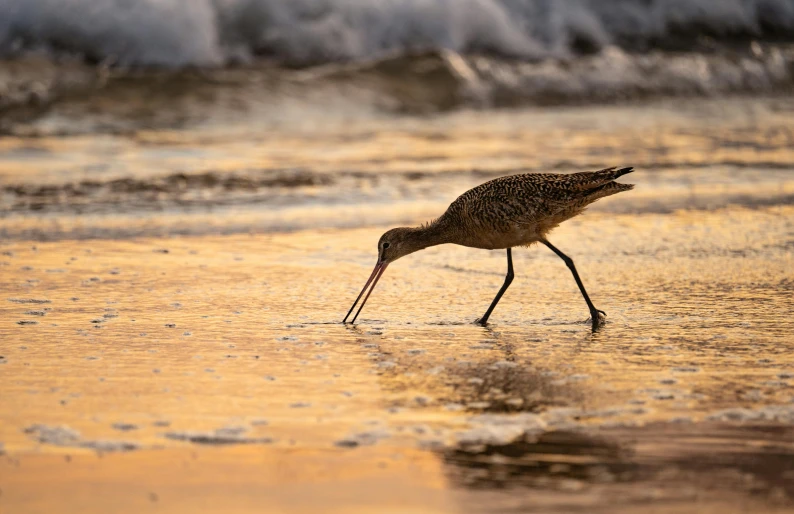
[
  {"x": 176, "y": 33},
  {"x": 412, "y": 56}
]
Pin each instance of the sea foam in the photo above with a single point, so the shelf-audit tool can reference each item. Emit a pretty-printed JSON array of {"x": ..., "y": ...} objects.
[{"x": 177, "y": 33}]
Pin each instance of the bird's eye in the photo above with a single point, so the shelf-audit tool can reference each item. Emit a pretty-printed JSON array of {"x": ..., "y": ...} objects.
[{"x": 386, "y": 245}]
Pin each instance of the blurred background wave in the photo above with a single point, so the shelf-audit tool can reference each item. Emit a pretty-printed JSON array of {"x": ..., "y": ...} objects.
[{"x": 429, "y": 54}]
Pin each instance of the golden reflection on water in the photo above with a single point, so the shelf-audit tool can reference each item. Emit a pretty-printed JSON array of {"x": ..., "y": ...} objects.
[
  {"x": 196, "y": 334},
  {"x": 693, "y": 133},
  {"x": 163, "y": 366}
]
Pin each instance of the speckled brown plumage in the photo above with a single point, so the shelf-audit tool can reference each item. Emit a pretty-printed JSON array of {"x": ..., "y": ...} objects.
[
  {"x": 516, "y": 210},
  {"x": 519, "y": 210}
]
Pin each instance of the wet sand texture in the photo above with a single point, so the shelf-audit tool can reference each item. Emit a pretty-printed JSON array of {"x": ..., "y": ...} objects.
[
  {"x": 223, "y": 356},
  {"x": 170, "y": 307}
]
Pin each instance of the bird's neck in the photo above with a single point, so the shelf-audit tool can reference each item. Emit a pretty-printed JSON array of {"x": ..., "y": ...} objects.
[{"x": 434, "y": 233}]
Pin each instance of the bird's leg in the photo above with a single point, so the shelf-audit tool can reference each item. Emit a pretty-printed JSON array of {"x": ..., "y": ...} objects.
[
  {"x": 508, "y": 278},
  {"x": 594, "y": 313}
]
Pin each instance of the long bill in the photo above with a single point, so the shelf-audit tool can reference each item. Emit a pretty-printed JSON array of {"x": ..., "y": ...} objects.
[{"x": 376, "y": 274}]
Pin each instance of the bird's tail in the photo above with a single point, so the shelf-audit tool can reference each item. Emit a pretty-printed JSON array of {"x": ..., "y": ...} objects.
[
  {"x": 594, "y": 185},
  {"x": 589, "y": 180},
  {"x": 608, "y": 189},
  {"x": 606, "y": 186},
  {"x": 613, "y": 173}
]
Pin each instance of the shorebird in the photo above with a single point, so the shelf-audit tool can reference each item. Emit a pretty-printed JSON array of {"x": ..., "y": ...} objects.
[{"x": 517, "y": 210}]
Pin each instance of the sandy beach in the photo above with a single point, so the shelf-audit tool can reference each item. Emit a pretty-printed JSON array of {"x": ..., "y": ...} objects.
[
  {"x": 194, "y": 372},
  {"x": 191, "y": 199}
]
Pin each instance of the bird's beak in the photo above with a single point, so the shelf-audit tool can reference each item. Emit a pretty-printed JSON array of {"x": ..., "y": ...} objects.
[{"x": 380, "y": 267}]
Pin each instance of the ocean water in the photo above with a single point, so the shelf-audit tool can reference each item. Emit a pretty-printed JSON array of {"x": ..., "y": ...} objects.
[
  {"x": 290, "y": 167},
  {"x": 479, "y": 53}
]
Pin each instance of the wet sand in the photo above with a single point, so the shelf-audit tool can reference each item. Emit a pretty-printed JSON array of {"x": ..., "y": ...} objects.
[
  {"x": 171, "y": 303},
  {"x": 200, "y": 373}
]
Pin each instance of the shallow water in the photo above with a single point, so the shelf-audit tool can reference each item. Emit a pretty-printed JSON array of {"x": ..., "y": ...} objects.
[
  {"x": 170, "y": 332},
  {"x": 300, "y": 172}
]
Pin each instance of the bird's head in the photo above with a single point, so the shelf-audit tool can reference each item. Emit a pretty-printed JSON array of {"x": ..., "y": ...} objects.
[{"x": 398, "y": 242}]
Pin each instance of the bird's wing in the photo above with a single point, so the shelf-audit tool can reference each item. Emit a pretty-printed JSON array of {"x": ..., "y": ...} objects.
[
  {"x": 531, "y": 198},
  {"x": 549, "y": 195}
]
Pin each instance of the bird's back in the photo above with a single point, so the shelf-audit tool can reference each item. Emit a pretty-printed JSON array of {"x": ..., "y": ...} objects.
[{"x": 521, "y": 209}]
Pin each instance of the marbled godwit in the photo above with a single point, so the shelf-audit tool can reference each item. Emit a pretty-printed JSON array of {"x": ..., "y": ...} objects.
[{"x": 517, "y": 210}]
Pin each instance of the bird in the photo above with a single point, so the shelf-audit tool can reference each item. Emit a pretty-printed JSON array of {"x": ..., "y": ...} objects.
[{"x": 501, "y": 214}]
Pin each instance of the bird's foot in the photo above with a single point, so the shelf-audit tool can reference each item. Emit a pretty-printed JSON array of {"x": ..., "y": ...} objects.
[
  {"x": 481, "y": 322},
  {"x": 598, "y": 318}
]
